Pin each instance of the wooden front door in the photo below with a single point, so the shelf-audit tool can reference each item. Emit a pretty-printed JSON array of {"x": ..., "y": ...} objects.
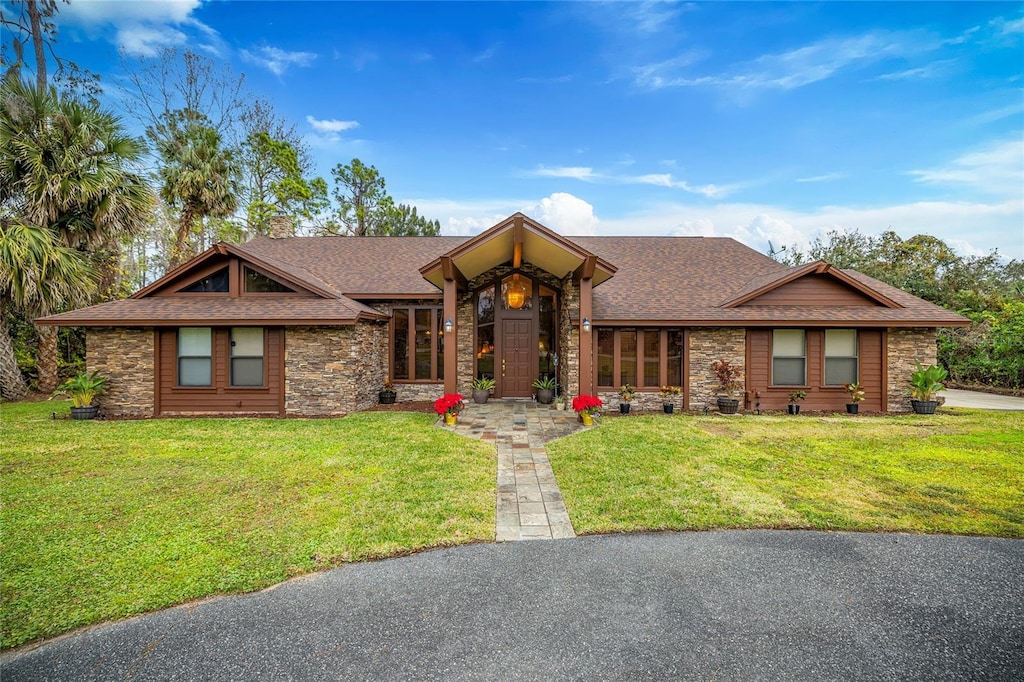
[{"x": 517, "y": 342}]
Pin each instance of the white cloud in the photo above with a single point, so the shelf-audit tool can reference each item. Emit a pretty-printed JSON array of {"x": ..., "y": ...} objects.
[
  {"x": 147, "y": 41},
  {"x": 129, "y": 11},
  {"x": 1008, "y": 27},
  {"x": 565, "y": 214},
  {"x": 793, "y": 69},
  {"x": 997, "y": 168},
  {"x": 587, "y": 174},
  {"x": 332, "y": 125},
  {"x": 827, "y": 177},
  {"x": 487, "y": 54},
  {"x": 936, "y": 69},
  {"x": 276, "y": 60}
]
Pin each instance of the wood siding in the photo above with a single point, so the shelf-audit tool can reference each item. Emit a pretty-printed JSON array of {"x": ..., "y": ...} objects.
[
  {"x": 870, "y": 364},
  {"x": 220, "y": 398},
  {"x": 813, "y": 290}
]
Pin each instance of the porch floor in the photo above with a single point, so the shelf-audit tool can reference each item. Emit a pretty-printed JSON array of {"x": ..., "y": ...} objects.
[{"x": 529, "y": 502}]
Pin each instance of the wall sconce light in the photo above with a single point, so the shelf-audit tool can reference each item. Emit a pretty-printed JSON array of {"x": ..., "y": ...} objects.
[
  {"x": 586, "y": 324},
  {"x": 448, "y": 326}
]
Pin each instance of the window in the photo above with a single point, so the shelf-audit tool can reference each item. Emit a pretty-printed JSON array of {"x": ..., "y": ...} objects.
[
  {"x": 789, "y": 357},
  {"x": 644, "y": 358},
  {"x": 258, "y": 283},
  {"x": 247, "y": 356},
  {"x": 840, "y": 356},
  {"x": 217, "y": 282},
  {"x": 195, "y": 350},
  {"x": 418, "y": 352},
  {"x": 516, "y": 293}
]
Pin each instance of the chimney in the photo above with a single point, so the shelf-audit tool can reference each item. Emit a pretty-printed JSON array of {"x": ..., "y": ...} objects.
[{"x": 280, "y": 227}]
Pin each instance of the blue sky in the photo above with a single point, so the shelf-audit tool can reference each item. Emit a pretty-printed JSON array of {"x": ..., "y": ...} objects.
[{"x": 756, "y": 121}]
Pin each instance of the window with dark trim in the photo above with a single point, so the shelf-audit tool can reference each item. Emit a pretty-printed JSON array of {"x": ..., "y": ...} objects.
[
  {"x": 840, "y": 356},
  {"x": 217, "y": 282},
  {"x": 258, "y": 283},
  {"x": 643, "y": 358},
  {"x": 247, "y": 356},
  {"x": 418, "y": 344},
  {"x": 789, "y": 357},
  {"x": 195, "y": 356}
]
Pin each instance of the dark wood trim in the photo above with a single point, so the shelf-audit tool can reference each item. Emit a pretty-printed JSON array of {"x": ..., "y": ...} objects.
[
  {"x": 156, "y": 371},
  {"x": 360, "y": 297},
  {"x": 235, "y": 281},
  {"x": 451, "y": 358},
  {"x": 586, "y": 345},
  {"x": 784, "y": 323},
  {"x": 174, "y": 274},
  {"x": 747, "y": 359},
  {"x": 451, "y": 272},
  {"x": 517, "y": 242},
  {"x": 884, "y": 388},
  {"x": 281, "y": 397},
  {"x": 586, "y": 269},
  {"x": 175, "y": 288},
  {"x": 686, "y": 368},
  {"x": 814, "y": 268}
]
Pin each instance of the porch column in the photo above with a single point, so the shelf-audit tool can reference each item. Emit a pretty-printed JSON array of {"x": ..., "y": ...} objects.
[
  {"x": 451, "y": 346},
  {"x": 586, "y": 338}
]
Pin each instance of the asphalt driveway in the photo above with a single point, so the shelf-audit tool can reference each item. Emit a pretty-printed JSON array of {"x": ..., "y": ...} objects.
[{"x": 716, "y": 605}]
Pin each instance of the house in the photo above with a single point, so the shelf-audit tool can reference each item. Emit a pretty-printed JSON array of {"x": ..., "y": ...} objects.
[{"x": 310, "y": 326}]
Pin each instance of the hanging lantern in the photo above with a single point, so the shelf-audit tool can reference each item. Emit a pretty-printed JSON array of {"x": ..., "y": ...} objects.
[{"x": 516, "y": 294}]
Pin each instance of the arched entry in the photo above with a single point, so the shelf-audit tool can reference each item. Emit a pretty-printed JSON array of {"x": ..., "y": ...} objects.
[{"x": 516, "y": 333}]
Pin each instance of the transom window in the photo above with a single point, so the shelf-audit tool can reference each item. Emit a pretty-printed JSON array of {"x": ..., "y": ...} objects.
[
  {"x": 644, "y": 358},
  {"x": 840, "y": 356},
  {"x": 789, "y": 357},
  {"x": 418, "y": 349},
  {"x": 195, "y": 353},
  {"x": 247, "y": 356}
]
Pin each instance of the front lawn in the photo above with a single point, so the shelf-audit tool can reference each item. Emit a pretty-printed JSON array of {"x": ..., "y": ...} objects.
[
  {"x": 102, "y": 520},
  {"x": 959, "y": 472}
]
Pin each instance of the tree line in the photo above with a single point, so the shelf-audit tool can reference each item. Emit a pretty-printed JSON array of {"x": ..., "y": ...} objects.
[
  {"x": 89, "y": 213},
  {"x": 988, "y": 290}
]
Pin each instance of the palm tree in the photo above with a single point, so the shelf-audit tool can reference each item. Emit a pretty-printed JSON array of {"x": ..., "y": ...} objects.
[
  {"x": 65, "y": 167},
  {"x": 197, "y": 176},
  {"x": 38, "y": 276}
]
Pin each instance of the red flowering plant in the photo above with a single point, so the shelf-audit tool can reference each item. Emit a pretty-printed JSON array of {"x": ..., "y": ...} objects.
[
  {"x": 452, "y": 403},
  {"x": 588, "y": 404}
]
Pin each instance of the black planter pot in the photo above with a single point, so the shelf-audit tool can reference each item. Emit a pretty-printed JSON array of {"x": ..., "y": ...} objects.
[
  {"x": 924, "y": 406},
  {"x": 545, "y": 396},
  {"x": 668, "y": 407},
  {"x": 85, "y": 412},
  {"x": 480, "y": 395},
  {"x": 624, "y": 408},
  {"x": 793, "y": 408},
  {"x": 728, "y": 405},
  {"x": 386, "y": 397},
  {"x": 852, "y": 408}
]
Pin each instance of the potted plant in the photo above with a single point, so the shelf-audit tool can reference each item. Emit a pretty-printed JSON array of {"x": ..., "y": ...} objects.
[
  {"x": 449, "y": 406},
  {"x": 83, "y": 388},
  {"x": 856, "y": 396},
  {"x": 925, "y": 382},
  {"x": 626, "y": 393},
  {"x": 728, "y": 382},
  {"x": 587, "y": 407},
  {"x": 668, "y": 394},
  {"x": 545, "y": 390},
  {"x": 794, "y": 401},
  {"x": 482, "y": 388},
  {"x": 559, "y": 403},
  {"x": 386, "y": 395}
]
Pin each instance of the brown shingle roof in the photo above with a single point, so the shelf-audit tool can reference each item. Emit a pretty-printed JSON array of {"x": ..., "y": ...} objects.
[{"x": 220, "y": 310}]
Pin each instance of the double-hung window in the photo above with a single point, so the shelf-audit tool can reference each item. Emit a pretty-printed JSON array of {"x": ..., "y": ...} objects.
[
  {"x": 789, "y": 357},
  {"x": 840, "y": 356},
  {"x": 195, "y": 356},
  {"x": 247, "y": 356}
]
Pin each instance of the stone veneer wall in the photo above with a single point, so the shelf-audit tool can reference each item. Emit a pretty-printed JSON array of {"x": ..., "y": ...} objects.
[
  {"x": 334, "y": 370},
  {"x": 905, "y": 348},
  {"x": 641, "y": 401},
  {"x": 708, "y": 344},
  {"x": 569, "y": 339},
  {"x": 125, "y": 357}
]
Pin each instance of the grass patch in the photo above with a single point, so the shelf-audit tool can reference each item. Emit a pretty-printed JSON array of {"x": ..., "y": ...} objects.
[
  {"x": 959, "y": 472},
  {"x": 102, "y": 520}
]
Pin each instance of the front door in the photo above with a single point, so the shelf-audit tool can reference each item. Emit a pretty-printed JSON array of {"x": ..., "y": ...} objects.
[{"x": 516, "y": 358}]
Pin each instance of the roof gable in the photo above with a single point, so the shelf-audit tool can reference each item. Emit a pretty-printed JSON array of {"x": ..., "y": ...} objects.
[{"x": 816, "y": 283}]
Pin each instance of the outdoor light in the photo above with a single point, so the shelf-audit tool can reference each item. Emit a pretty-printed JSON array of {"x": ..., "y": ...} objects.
[
  {"x": 516, "y": 294},
  {"x": 448, "y": 326},
  {"x": 586, "y": 324}
]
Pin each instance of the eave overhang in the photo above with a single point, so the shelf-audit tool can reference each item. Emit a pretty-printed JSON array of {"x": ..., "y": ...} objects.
[{"x": 750, "y": 293}]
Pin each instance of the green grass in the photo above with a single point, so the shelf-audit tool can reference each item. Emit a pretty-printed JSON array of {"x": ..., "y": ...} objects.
[
  {"x": 102, "y": 520},
  {"x": 960, "y": 472}
]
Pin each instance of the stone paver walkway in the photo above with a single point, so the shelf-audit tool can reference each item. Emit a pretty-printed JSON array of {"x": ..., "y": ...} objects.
[{"x": 529, "y": 503}]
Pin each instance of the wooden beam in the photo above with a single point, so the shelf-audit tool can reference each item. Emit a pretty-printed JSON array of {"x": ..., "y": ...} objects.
[
  {"x": 451, "y": 358},
  {"x": 586, "y": 269},
  {"x": 451, "y": 272},
  {"x": 517, "y": 242},
  {"x": 586, "y": 338}
]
